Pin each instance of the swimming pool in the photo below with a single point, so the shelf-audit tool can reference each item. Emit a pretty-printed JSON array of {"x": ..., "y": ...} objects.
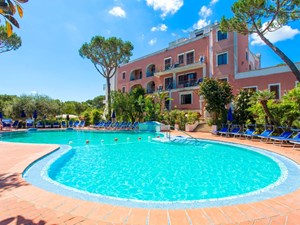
[{"x": 117, "y": 167}]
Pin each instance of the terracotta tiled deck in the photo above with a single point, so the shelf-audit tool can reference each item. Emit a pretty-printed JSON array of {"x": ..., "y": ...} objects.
[{"x": 22, "y": 203}]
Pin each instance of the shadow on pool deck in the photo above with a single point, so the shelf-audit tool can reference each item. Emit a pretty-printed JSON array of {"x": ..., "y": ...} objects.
[{"x": 10, "y": 181}]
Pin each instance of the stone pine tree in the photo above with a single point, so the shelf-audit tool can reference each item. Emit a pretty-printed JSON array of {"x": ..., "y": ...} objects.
[
  {"x": 261, "y": 17},
  {"x": 8, "y": 43},
  {"x": 106, "y": 56},
  {"x": 8, "y": 9}
]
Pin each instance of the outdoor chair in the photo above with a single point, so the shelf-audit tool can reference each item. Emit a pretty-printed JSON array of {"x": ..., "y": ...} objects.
[
  {"x": 247, "y": 134},
  {"x": 15, "y": 124},
  {"x": 265, "y": 134},
  {"x": 296, "y": 138},
  {"x": 29, "y": 123},
  {"x": 63, "y": 124},
  {"x": 48, "y": 124},
  {"x": 7, "y": 123},
  {"x": 39, "y": 124},
  {"x": 55, "y": 124},
  {"x": 76, "y": 123},
  {"x": 282, "y": 136},
  {"x": 81, "y": 123}
]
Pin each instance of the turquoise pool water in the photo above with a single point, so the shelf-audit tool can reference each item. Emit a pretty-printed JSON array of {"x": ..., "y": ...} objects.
[{"x": 138, "y": 168}]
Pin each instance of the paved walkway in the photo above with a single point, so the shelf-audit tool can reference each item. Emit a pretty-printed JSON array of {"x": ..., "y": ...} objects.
[{"x": 22, "y": 203}]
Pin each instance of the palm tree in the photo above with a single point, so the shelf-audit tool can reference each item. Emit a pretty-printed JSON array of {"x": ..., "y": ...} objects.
[{"x": 263, "y": 97}]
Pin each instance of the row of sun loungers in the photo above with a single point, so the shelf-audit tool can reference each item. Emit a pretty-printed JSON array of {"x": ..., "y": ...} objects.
[
  {"x": 29, "y": 123},
  {"x": 288, "y": 136},
  {"x": 116, "y": 125}
]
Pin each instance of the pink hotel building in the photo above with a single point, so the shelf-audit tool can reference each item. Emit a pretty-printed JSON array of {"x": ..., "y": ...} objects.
[{"x": 179, "y": 68}]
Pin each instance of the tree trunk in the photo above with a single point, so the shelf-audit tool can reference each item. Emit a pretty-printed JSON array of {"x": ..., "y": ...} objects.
[
  {"x": 108, "y": 97},
  {"x": 268, "y": 113},
  {"x": 284, "y": 57}
]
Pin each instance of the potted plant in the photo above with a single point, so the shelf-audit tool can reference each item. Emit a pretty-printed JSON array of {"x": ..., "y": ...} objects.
[{"x": 192, "y": 121}]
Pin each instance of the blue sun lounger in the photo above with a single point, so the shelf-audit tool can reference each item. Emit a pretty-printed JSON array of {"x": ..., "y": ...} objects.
[
  {"x": 39, "y": 124},
  {"x": 55, "y": 124},
  {"x": 296, "y": 138},
  {"x": 7, "y": 123},
  {"x": 284, "y": 135},
  {"x": 29, "y": 123},
  {"x": 265, "y": 134},
  {"x": 81, "y": 123},
  {"x": 63, "y": 124}
]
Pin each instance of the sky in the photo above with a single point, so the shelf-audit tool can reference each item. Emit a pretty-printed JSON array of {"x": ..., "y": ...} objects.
[{"x": 52, "y": 32}]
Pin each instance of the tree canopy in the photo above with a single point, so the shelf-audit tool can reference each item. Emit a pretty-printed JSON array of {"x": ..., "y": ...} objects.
[
  {"x": 217, "y": 95},
  {"x": 106, "y": 56},
  {"x": 8, "y": 43},
  {"x": 8, "y": 9},
  {"x": 261, "y": 17}
]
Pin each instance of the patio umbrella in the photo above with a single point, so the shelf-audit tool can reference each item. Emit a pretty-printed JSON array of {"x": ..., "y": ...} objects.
[
  {"x": 230, "y": 115},
  {"x": 64, "y": 116},
  {"x": 35, "y": 114},
  {"x": 113, "y": 115},
  {"x": 23, "y": 114},
  {"x": 1, "y": 116}
]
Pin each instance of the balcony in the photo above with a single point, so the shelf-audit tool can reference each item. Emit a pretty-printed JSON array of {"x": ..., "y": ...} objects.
[
  {"x": 177, "y": 68},
  {"x": 136, "y": 75},
  {"x": 150, "y": 70},
  {"x": 190, "y": 83}
]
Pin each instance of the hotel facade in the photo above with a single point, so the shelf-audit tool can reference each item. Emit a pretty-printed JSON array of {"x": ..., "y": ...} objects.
[{"x": 179, "y": 68}]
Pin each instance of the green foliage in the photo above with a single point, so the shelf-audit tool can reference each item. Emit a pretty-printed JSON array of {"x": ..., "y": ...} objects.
[
  {"x": 217, "y": 95},
  {"x": 8, "y": 43},
  {"x": 106, "y": 56},
  {"x": 97, "y": 102},
  {"x": 96, "y": 115},
  {"x": 261, "y": 17},
  {"x": 241, "y": 106},
  {"x": 11, "y": 106},
  {"x": 291, "y": 107},
  {"x": 129, "y": 106},
  {"x": 87, "y": 118},
  {"x": 8, "y": 8}
]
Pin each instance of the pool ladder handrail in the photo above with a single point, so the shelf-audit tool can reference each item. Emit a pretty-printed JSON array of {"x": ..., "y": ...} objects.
[{"x": 169, "y": 135}]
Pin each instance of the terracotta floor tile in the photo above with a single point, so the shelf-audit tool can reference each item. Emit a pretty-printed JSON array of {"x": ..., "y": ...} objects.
[
  {"x": 278, "y": 220},
  {"x": 293, "y": 218},
  {"x": 265, "y": 209},
  {"x": 234, "y": 214},
  {"x": 119, "y": 215},
  {"x": 262, "y": 221},
  {"x": 178, "y": 217},
  {"x": 278, "y": 207},
  {"x": 250, "y": 212},
  {"x": 138, "y": 216},
  {"x": 158, "y": 217},
  {"x": 100, "y": 212},
  {"x": 216, "y": 215},
  {"x": 247, "y": 223},
  {"x": 83, "y": 209},
  {"x": 198, "y": 217}
]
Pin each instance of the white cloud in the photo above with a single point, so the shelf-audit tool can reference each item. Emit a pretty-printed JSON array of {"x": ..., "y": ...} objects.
[
  {"x": 205, "y": 12},
  {"x": 282, "y": 34},
  {"x": 152, "y": 41},
  {"x": 117, "y": 11},
  {"x": 166, "y": 6},
  {"x": 34, "y": 92},
  {"x": 212, "y": 2},
  {"x": 160, "y": 27},
  {"x": 201, "y": 23}
]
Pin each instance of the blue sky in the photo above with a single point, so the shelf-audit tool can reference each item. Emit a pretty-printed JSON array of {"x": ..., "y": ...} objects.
[{"x": 53, "y": 31}]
